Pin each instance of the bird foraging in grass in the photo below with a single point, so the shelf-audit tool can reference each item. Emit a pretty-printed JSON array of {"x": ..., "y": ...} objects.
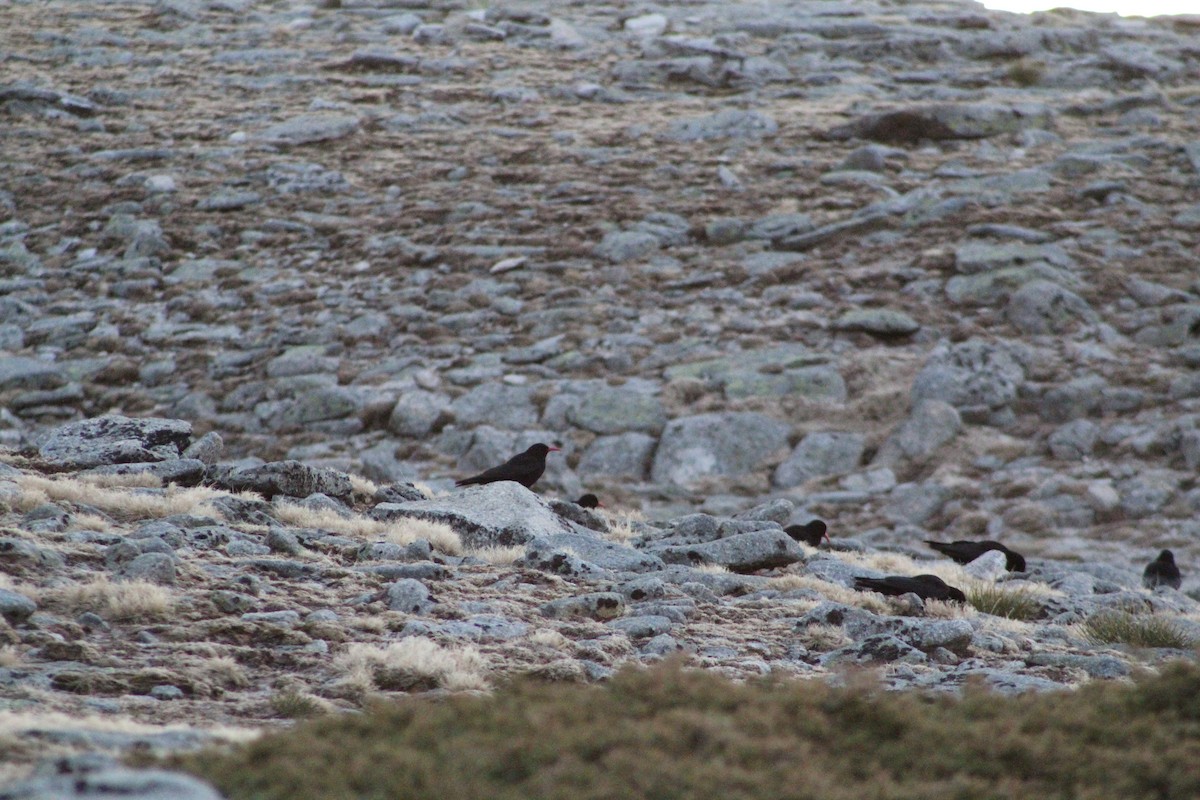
[
  {"x": 964, "y": 552},
  {"x": 524, "y": 468},
  {"x": 926, "y": 587}
]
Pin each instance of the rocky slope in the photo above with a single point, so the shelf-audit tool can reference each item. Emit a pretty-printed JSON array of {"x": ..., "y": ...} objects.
[{"x": 922, "y": 270}]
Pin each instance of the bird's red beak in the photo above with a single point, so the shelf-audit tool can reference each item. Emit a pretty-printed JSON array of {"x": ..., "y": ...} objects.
[
  {"x": 827, "y": 537},
  {"x": 555, "y": 449}
]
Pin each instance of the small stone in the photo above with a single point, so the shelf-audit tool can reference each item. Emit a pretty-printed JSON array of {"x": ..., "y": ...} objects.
[
  {"x": 642, "y": 627},
  {"x": 880, "y": 322},
  {"x": 154, "y": 567},
  {"x": 15, "y": 607},
  {"x": 410, "y": 596},
  {"x": 166, "y": 692}
]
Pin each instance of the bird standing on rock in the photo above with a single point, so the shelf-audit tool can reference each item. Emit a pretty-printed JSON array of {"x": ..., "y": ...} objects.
[
  {"x": 811, "y": 533},
  {"x": 524, "y": 468},
  {"x": 1162, "y": 572},
  {"x": 589, "y": 500},
  {"x": 926, "y": 587},
  {"x": 964, "y": 552}
]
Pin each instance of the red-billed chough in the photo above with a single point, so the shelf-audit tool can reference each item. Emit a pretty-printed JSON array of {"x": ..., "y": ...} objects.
[
  {"x": 926, "y": 587},
  {"x": 589, "y": 500},
  {"x": 524, "y": 468},
  {"x": 965, "y": 552},
  {"x": 1162, "y": 572},
  {"x": 811, "y": 533}
]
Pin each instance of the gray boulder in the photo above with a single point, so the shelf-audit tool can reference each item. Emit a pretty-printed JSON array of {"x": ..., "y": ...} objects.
[
  {"x": 1045, "y": 307},
  {"x": 182, "y": 471},
  {"x": 207, "y": 449},
  {"x": 626, "y": 455},
  {"x": 597, "y": 605},
  {"x": 15, "y": 607},
  {"x": 416, "y": 413},
  {"x": 497, "y": 404},
  {"x": 1074, "y": 399},
  {"x": 932, "y": 424},
  {"x": 410, "y": 596},
  {"x": 19, "y": 372},
  {"x": 114, "y": 439},
  {"x": 1075, "y": 440},
  {"x": 642, "y": 627},
  {"x": 820, "y": 453},
  {"x": 884, "y": 323},
  {"x": 716, "y": 445},
  {"x": 745, "y": 552},
  {"x": 971, "y": 375},
  {"x": 620, "y": 247},
  {"x": 604, "y": 554},
  {"x": 728, "y": 124},
  {"x": 291, "y": 478},
  {"x": 945, "y": 121},
  {"x": 309, "y": 128},
  {"x": 611, "y": 410},
  {"x": 108, "y": 780},
  {"x": 499, "y": 514},
  {"x": 154, "y": 567}
]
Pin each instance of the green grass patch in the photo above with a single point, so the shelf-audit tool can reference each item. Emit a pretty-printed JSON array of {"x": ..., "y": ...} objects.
[
  {"x": 1026, "y": 73},
  {"x": 668, "y": 733},
  {"x": 1019, "y": 604},
  {"x": 1120, "y": 627},
  {"x": 294, "y": 705}
]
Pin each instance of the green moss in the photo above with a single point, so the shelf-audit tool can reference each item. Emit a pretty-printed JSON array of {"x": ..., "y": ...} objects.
[{"x": 668, "y": 733}]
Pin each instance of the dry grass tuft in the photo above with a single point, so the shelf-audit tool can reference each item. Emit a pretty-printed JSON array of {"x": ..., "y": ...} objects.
[
  {"x": 361, "y": 485},
  {"x": 438, "y": 534},
  {"x": 291, "y": 704},
  {"x": 823, "y": 638},
  {"x": 497, "y": 555},
  {"x": 548, "y": 637},
  {"x": 138, "y": 480},
  {"x": 620, "y": 530},
  {"x": 121, "y": 503},
  {"x": 119, "y": 601},
  {"x": 224, "y": 671},
  {"x": 869, "y": 601},
  {"x": 403, "y": 531},
  {"x": 415, "y": 663},
  {"x": 89, "y": 522},
  {"x": 945, "y": 609},
  {"x": 10, "y": 657}
]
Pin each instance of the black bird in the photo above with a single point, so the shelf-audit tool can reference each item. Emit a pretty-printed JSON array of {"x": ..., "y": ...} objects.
[
  {"x": 589, "y": 500},
  {"x": 1162, "y": 572},
  {"x": 926, "y": 587},
  {"x": 965, "y": 552},
  {"x": 524, "y": 468},
  {"x": 811, "y": 533}
]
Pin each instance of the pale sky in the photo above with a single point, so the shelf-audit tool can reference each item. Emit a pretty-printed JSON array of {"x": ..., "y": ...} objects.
[{"x": 1141, "y": 8}]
